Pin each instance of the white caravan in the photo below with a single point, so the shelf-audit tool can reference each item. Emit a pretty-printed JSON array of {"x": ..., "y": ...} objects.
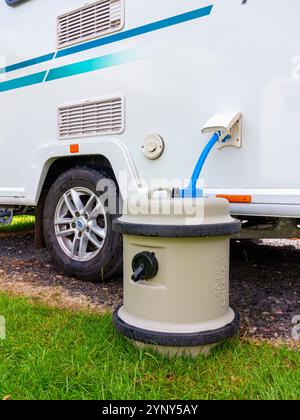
[{"x": 121, "y": 89}]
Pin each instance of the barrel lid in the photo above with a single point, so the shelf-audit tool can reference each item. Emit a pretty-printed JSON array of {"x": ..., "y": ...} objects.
[{"x": 177, "y": 218}]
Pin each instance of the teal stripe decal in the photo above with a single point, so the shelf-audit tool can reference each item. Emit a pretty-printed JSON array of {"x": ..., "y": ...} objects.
[
  {"x": 97, "y": 63},
  {"x": 32, "y": 79},
  {"x": 93, "y": 64}
]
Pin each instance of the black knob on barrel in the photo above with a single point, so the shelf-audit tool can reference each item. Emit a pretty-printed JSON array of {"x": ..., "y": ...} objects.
[{"x": 144, "y": 266}]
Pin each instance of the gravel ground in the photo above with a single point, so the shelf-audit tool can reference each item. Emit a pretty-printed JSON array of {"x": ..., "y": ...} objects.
[
  {"x": 28, "y": 272},
  {"x": 265, "y": 286},
  {"x": 265, "y": 283}
]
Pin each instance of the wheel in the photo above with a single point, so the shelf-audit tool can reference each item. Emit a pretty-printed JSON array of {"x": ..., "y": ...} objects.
[{"x": 78, "y": 227}]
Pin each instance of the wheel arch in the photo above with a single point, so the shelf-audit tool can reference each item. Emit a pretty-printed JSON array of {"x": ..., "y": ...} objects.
[{"x": 112, "y": 155}]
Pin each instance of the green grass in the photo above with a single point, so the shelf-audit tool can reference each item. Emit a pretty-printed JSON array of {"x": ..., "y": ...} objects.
[
  {"x": 19, "y": 224},
  {"x": 55, "y": 354}
]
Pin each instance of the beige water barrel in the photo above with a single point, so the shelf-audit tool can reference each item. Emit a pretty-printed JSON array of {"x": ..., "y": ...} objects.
[{"x": 176, "y": 274}]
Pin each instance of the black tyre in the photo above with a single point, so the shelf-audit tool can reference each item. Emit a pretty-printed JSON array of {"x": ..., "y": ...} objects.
[{"x": 78, "y": 226}]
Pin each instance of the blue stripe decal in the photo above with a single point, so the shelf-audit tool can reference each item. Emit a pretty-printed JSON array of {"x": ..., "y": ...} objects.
[
  {"x": 185, "y": 17},
  {"x": 32, "y": 79},
  {"x": 175, "y": 20},
  {"x": 93, "y": 64},
  {"x": 27, "y": 63}
]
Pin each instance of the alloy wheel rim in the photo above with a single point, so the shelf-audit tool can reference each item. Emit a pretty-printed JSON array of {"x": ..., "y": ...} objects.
[{"x": 80, "y": 224}]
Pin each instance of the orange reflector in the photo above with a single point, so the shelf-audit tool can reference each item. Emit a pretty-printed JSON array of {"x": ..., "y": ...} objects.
[
  {"x": 74, "y": 148},
  {"x": 246, "y": 199}
]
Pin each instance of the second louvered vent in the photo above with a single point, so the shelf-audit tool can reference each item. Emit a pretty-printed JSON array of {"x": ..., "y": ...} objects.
[
  {"x": 92, "y": 118},
  {"x": 90, "y": 21}
]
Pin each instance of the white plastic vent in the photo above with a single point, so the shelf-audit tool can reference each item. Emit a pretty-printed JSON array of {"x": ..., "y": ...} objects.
[
  {"x": 90, "y": 21},
  {"x": 101, "y": 117}
]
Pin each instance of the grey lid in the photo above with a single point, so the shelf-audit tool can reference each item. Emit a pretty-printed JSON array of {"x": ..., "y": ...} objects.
[{"x": 178, "y": 218}]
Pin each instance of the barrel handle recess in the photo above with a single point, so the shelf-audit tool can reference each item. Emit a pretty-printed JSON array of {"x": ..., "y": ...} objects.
[{"x": 152, "y": 191}]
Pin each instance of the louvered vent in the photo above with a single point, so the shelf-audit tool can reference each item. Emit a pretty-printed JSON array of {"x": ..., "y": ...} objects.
[
  {"x": 90, "y": 21},
  {"x": 92, "y": 118}
]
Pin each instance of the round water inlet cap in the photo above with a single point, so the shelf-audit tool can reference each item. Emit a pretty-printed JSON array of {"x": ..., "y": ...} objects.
[{"x": 153, "y": 146}]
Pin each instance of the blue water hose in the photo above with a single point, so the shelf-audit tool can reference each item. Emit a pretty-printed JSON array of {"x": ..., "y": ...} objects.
[{"x": 191, "y": 191}]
